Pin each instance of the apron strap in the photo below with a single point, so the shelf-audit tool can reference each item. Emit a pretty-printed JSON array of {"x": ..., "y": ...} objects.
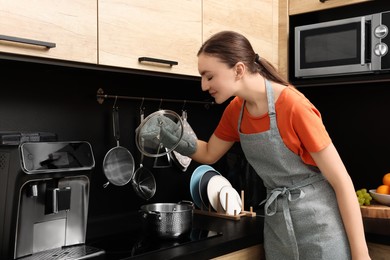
[
  {"x": 271, "y": 106},
  {"x": 288, "y": 194}
]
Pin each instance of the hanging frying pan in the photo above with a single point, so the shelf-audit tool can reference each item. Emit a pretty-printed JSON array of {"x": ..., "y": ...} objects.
[
  {"x": 118, "y": 163},
  {"x": 149, "y": 142},
  {"x": 143, "y": 181}
]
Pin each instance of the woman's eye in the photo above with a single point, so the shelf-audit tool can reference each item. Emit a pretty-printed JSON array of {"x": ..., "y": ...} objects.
[{"x": 209, "y": 78}]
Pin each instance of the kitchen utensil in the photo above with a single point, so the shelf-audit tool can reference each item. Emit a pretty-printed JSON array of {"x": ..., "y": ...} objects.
[
  {"x": 152, "y": 146},
  {"x": 180, "y": 160},
  {"x": 380, "y": 198},
  {"x": 230, "y": 200},
  {"x": 194, "y": 183},
  {"x": 204, "y": 180},
  {"x": 214, "y": 187},
  {"x": 168, "y": 220},
  {"x": 163, "y": 161},
  {"x": 143, "y": 181},
  {"x": 118, "y": 163}
]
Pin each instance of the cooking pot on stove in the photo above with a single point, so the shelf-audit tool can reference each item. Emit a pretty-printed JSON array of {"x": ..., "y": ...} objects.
[{"x": 168, "y": 220}]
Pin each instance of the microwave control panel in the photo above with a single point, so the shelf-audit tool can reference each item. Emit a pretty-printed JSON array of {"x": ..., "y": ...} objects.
[{"x": 382, "y": 48}]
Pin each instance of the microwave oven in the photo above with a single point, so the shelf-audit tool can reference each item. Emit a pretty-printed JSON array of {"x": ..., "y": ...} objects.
[{"x": 341, "y": 47}]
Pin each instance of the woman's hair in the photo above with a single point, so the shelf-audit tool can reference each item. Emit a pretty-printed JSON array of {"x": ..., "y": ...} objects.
[{"x": 231, "y": 47}]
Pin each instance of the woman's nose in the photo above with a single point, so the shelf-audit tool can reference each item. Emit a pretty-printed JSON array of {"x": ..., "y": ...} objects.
[{"x": 204, "y": 85}]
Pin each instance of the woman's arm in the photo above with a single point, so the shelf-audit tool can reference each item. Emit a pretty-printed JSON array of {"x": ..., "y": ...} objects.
[
  {"x": 211, "y": 151},
  {"x": 331, "y": 165}
]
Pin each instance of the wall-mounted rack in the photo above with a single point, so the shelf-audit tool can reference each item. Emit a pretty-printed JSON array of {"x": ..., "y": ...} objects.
[{"x": 101, "y": 97}]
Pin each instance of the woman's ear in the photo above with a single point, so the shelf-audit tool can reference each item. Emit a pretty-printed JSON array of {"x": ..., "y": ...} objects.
[{"x": 239, "y": 70}]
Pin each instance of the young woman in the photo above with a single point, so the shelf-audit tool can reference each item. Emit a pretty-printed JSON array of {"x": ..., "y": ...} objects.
[{"x": 311, "y": 211}]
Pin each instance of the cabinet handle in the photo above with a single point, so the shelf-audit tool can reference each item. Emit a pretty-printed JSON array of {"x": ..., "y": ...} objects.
[
  {"x": 169, "y": 62},
  {"x": 27, "y": 41}
]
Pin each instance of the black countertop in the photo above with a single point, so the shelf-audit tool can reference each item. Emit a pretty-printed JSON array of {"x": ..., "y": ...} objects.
[
  {"x": 229, "y": 236},
  {"x": 232, "y": 235}
]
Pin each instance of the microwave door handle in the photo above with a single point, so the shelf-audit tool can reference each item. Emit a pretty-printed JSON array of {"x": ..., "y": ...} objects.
[{"x": 362, "y": 41}]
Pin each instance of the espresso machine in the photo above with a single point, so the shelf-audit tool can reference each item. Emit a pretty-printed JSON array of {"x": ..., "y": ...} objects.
[{"x": 44, "y": 193}]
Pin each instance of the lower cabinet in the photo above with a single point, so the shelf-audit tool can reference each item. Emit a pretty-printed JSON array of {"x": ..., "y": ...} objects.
[{"x": 253, "y": 252}]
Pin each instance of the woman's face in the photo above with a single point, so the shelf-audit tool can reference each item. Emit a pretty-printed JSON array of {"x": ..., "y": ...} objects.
[{"x": 217, "y": 78}]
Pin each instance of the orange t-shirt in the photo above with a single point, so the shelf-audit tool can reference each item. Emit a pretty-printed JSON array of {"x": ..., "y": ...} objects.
[{"x": 299, "y": 123}]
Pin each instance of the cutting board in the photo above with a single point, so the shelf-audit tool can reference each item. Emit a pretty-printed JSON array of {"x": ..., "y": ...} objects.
[{"x": 375, "y": 211}]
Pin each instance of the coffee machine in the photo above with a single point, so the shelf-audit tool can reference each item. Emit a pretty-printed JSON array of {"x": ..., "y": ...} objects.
[{"x": 44, "y": 193}]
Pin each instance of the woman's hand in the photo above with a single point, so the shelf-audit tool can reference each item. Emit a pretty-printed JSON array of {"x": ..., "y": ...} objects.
[{"x": 163, "y": 130}]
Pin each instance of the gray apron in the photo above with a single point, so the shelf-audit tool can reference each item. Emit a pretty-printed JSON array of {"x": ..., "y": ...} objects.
[{"x": 302, "y": 219}]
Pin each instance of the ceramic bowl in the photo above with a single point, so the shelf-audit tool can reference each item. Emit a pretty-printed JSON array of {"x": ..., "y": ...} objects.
[{"x": 380, "y": 198}]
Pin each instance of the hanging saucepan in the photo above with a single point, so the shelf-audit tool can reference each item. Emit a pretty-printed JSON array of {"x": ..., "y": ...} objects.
[
  {"x": 180, "y": 160},
  {"x": 118, "y": 163},
  {"x": 143, "y": 181},
  {"x": 149, "y": 133}
]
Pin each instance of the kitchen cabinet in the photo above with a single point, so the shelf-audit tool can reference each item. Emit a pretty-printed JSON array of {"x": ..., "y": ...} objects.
[
  {"x": 253, "y": 252},
  {"x": 169, "y": 31},
  {"x": 304, "y": 6},
  {"x": 65, "y": 30},
  {"x": 263, "y": 22}
]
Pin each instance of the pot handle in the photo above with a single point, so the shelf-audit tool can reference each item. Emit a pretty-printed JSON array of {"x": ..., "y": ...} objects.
[
  {"x": 186, "y": 202},
  {"x": 146, "y": 214}
]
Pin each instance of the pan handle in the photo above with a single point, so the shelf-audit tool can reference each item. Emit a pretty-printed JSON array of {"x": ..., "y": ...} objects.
[{"x": 115, "y": 123}]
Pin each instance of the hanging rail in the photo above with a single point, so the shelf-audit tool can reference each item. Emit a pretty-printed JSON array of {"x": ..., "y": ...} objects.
[{"x": 101, "y": 97}]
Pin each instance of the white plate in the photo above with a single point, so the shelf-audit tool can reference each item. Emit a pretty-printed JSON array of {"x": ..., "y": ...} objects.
[
  {"x": 214, "y": 186},
  {"x": 381, "y": 198},
  {"x": 233, "y": 200}
]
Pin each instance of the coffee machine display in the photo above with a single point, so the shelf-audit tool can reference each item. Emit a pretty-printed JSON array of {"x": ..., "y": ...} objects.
[{"x": 44, "y": 191}]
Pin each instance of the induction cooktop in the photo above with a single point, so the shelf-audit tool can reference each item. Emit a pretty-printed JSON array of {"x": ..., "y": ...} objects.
[{"x": 125, "y": 245}]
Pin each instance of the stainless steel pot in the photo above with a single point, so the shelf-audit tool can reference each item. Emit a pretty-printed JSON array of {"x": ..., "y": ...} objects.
[{"x": 168, "y": 220}]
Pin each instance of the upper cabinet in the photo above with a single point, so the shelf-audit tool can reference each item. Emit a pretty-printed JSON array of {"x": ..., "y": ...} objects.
[
  {"x": 149, "y": 35},
  {"x": 152, "y": 35},
  {"x": 258, "y": 20},
  {"x": 304, "y": 6},
  {"x": 65, "y": 30}
]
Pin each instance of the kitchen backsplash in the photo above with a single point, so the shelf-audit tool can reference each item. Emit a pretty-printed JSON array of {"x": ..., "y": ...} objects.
[{"x": 63, "y": 100}]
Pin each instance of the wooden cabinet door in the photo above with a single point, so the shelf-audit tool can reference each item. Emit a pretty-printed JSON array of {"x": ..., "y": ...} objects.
[
  {"x": 304, "y": 6},
  {"x": 253, "y": 252},
  {"x": 158, "y": 29},
  {"x": 26, "y": 26},
  {"x": 257, "y": 20}
]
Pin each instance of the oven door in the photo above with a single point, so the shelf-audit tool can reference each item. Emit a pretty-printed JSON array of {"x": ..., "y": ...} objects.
[{"x": 336, "y": 47}]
